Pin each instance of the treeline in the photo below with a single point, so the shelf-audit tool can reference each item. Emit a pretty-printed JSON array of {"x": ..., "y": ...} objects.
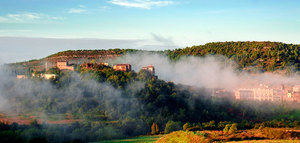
[
  {"x": 172, "y": 126},
  {"x": 74, "y": 133},
  {"x": 94, "y": 52},
  {"x": 261, "y": 56},
  {"x": 249, "y": 56}
]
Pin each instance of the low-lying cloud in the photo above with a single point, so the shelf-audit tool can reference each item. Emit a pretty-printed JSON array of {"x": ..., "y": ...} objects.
[{"x": 207, "y": 72}]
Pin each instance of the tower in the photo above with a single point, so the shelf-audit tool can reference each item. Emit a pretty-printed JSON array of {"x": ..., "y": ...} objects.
[{"x": 46, "y": 66}]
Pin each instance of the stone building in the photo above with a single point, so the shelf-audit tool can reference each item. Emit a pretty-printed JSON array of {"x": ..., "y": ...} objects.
[
  {"x": 21, "y": 76},
  {"x": 296, "y": 93},
  {"x": 261, "y": 93},
  {"x": 122, "y": 67},
  {"x": 150, "y": 68},
  {"x": 65, "y": 66},
  {"x": 48, "y": 76}
]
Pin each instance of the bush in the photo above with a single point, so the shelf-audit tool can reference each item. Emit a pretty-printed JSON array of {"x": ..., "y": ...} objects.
[
  {"x": 209, "y": 125},
  {"x": 186, "y": 126},
  {"x": 261, "y": 127},
  {"x": 233, "y": 128},
  {"x": 222, "y": 124},
  {"x": 196, "y": 128},
  {"x": 296, "y": 124},
  {"x": 172, "y": 126},
  {"x": 226, "y": 129}
]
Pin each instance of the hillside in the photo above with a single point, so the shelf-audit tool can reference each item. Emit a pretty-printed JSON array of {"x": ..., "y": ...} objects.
[
  {"x": 249, "y": 56},
  {"x": 73, "y": 57},
  {"x": 96, "y": 103},
  {"x": 262, "y": 56}
]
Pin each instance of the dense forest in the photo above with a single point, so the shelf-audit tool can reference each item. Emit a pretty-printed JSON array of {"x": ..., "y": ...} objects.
[
  {"x": 115, "y": 104},
  {"x": 262, "y": 56}
]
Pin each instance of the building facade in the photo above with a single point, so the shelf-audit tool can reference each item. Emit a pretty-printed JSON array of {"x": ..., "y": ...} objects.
[
  {"x": 150, "y": 69},
  {"x": 260, "y": 94},
  {"x": 48, "y": 76},
  {"x": 65, "y": 66},
  {"x": 122, "y": 67},
  {"x": 21, "y": 76}
]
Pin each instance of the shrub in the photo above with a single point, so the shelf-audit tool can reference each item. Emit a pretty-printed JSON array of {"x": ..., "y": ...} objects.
[
  {"x": 233, "y": 128},
  {"x": 296, "y": 124},
  {"x": 186, "y": 126},
  {"x": 226, "y": 129},
  {"x": 196, "y": 128},
  {"x": 256, "y": 126},
  {"x": 222, "y": 124},
  {"x": 172, "y": 126},
  {"x": 209, "y": 125},
  {"x": 261, "y": 127}
]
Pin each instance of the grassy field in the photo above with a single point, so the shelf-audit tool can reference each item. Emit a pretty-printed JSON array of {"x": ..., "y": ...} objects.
[
  {"x": 152, "y": 139},
  {"x": 142, "y": 139},
  {"x": 266, "y": 135}
]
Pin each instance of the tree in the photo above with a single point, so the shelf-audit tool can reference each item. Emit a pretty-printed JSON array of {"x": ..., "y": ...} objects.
[
  {"x": 154, "y": 129},
  {"x": 172, "y": 126},
  {"x": 35, "y": 123}
]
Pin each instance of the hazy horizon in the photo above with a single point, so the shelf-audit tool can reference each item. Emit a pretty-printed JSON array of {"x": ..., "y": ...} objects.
[
  {"x": 34, "y": 29},
  {"x": 31, "y": 46}
]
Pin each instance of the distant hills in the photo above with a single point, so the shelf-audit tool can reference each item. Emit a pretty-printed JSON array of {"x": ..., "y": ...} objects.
[
  {"x": 250, "y": 56},
  {"x": 262, "y": 56}
]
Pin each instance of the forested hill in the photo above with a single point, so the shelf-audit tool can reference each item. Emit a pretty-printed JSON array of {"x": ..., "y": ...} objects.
[
  {"x": 263, "y": 56},
  {"x": 73, "y": 57},
  {"x": 251, "y": 56}
]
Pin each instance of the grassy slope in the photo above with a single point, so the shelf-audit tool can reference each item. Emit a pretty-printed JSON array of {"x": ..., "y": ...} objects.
[
  {"x": 142, "y": 139},
  {"x": 182, "y": 138},
  {"x": 266, "y": 135}
]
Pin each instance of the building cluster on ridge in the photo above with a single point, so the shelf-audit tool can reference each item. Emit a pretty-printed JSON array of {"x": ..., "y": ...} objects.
[
  {"x": 262, "y": 92},
  {"x": 64, "y": 65}
]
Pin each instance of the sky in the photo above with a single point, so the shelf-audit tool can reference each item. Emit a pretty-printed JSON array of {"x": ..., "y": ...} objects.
[{"x": 36, "y": 28}]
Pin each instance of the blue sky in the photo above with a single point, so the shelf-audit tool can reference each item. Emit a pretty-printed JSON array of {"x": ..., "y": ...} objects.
[{"x": 160, "y": 23}]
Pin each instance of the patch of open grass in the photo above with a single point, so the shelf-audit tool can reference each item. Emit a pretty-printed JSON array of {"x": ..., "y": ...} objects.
[
  {"x": 183, "y": 137},
  {"x": 142, "y": 139}
]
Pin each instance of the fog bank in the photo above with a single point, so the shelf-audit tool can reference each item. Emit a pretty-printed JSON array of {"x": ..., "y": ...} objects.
[{"x": 207, "y": 72}]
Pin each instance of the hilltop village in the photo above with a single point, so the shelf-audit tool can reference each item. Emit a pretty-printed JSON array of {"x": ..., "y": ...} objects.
[{"x": 65, "y": 66}]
